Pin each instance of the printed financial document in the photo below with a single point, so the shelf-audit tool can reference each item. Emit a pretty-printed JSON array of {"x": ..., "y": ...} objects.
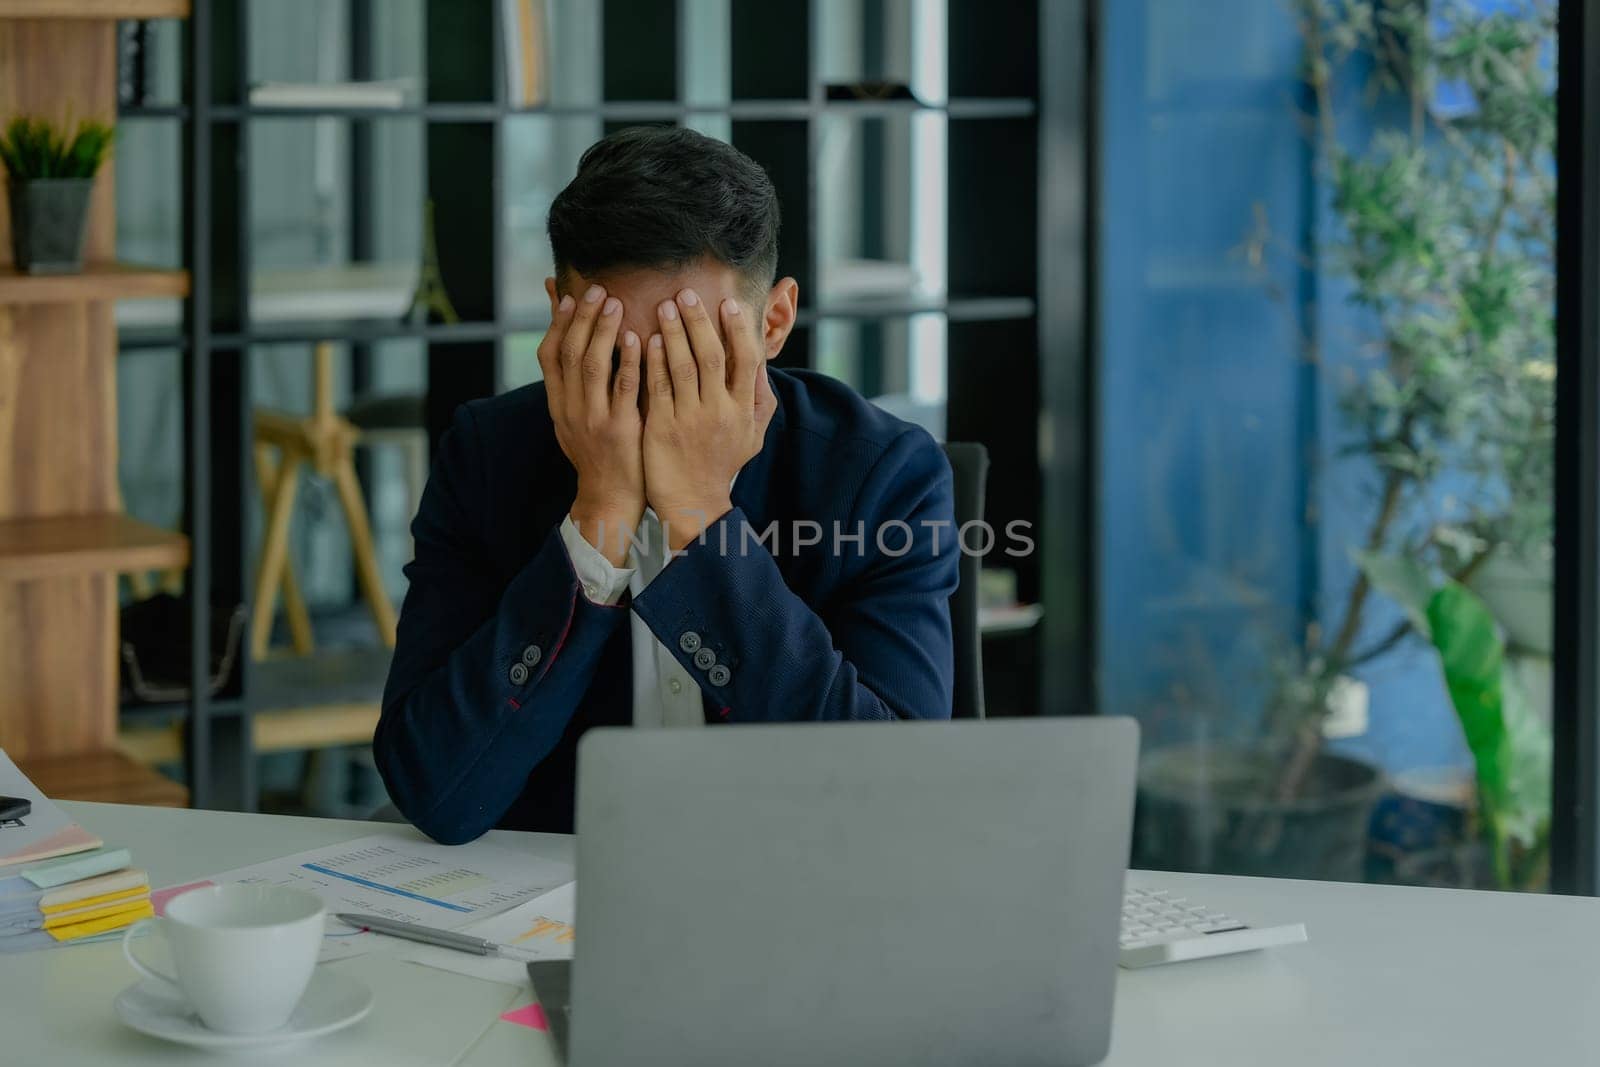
[{"x": 539, "y": 929}]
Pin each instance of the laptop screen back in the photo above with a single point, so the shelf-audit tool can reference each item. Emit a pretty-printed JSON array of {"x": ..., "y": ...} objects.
[{"x": 905, "y": 893}]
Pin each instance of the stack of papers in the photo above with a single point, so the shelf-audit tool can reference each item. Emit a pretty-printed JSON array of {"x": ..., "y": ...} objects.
[{"x": 57, "y": 882}]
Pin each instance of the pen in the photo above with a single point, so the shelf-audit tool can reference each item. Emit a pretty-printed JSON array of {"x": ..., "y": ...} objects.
[{"x": 425, "y": 934}]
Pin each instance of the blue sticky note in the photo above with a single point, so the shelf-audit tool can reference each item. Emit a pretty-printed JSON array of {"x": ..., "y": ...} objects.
[{"x": 69, "y": 869}]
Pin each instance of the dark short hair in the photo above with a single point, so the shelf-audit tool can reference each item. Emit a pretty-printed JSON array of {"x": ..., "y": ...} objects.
[{"x": 662, "y": 197}]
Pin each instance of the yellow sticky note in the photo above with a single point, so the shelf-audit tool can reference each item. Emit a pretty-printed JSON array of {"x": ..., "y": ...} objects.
[
  {"x": 90, "y": 903},
  {"x": 142, "y": 910}
]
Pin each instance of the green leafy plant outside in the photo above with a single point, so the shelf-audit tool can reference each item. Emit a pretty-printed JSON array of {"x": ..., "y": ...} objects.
[
  {"x": 32, "y": 149},
  {"x": 1442, "y": 228},
  {"x": 1510, "y": 746}
]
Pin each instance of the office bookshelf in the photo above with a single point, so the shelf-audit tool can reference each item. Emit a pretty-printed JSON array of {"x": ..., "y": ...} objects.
[
  {"x": 64, "y": 537},
  {"x": 774, "y": 107}
]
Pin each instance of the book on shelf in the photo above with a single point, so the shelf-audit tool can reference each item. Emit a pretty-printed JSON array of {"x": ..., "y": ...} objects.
[
  {"x": 524, "y": 36},
  {"x": 58, "y": 883},
  {"x": 378, "y": 95}
]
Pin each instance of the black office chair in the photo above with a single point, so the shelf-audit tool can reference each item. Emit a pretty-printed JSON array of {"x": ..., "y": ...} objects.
[{"x": 969, "y": 463}]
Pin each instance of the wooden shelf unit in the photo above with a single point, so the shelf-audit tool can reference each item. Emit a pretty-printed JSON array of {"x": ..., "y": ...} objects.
[
  {"x": 106, "y": 775},
  {"x": 94, "y": 9},
  {"x": 98, "y": 281},
  {"x": 297, "y": 730},
  {"x": 63, "y": 536},
  {"x": 54, "y": 545}
]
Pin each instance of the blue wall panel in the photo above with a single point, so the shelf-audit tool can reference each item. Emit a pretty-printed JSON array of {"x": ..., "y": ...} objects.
[{"x": 1226, "y": 513}]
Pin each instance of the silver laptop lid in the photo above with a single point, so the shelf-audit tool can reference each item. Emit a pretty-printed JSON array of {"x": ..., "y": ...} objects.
[{"x": 900, "y": 893}]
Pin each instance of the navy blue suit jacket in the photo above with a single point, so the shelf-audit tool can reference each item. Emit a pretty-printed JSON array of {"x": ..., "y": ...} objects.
[{"x": 502, "y": 663}]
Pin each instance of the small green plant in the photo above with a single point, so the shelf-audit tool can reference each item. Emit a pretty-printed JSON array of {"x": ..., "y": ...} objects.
[
  {"x": 1510, "y": 745},
  {"x": 33, "y": 149}
]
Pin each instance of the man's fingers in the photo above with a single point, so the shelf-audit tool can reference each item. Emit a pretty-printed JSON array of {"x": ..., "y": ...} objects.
[
  {"x": 550, "y": 345},
  {"x": 658, "y": 375},
  {"x": 596, "y": 366},
  {"x": 625, "y": 389},
  {"x": 704, "y": 344},
  {"x": 744, "y": 346},
  {"x": 576, "y": 341},
  {"x": 680, "y": 359}
]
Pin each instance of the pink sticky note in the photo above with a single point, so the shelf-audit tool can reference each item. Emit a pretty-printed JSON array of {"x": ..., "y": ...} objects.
[
  {"x": 528, "y": 1015},
  {"x": 159, "y": 898}
]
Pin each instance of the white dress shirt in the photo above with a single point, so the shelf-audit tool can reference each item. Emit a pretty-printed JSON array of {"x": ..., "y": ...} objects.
[{"x": 663, "y": 692}]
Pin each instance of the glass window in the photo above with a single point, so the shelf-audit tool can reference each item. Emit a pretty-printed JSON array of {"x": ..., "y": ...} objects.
[{"x": 1327, "y": 384}]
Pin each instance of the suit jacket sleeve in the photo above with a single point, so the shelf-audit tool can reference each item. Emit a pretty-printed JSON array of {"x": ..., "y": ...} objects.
[
  {"x": 881, "y": 649},
  {"x": 486, "y": 675}
]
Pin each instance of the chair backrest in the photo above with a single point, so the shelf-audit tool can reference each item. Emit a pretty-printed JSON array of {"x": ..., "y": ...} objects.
[{"x": 969, "y": 463}]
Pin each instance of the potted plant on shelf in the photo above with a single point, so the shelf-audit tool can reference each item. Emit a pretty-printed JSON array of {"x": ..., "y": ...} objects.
[
  {"x": 49, "y": 178},
  {"x": 1441, "y": 231}
]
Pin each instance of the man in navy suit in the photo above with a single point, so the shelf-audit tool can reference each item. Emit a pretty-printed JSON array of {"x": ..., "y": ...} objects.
[{"x": 664, "y": 532}]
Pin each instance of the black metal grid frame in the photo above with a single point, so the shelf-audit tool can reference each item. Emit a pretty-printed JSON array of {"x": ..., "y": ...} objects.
[
  {"x": 1068, "y": 343},
  {"x": 465, "y": 107},
  {"x": 1575, "y": 816}
]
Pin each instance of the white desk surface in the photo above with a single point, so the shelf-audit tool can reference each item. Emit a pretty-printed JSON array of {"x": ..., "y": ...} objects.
[{"x": 1390, "y": 976}]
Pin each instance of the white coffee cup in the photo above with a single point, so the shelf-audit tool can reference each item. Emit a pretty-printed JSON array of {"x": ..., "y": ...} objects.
[{"x": 244, "y": 953}]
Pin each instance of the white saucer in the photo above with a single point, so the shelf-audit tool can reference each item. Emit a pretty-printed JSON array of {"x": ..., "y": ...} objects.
[{"x": 331, "y": 1002}]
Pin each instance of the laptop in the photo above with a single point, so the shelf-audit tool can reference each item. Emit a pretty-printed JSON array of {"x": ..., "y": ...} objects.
[{"x": 899, "y": 893}]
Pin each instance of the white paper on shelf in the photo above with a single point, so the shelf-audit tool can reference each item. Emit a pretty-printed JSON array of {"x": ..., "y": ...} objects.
[
  {"x": 402, "y": 878},
  {"x": 304, "y": 294},
  {"x": 373, "y": 94},
  {"x": 1009, "y": 618},
  {"x": 859, "y": 279},
  {"x": 539, "y": 929},
  {"x": 350, "y": 291}
]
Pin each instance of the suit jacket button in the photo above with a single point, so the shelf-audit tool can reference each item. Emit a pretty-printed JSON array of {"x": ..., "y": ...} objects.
[
  {"x": 530, "y": 655},
  {"x": 719, "y": 675},
  {"x": 689, "y": 641},
  {"x": 705, "y": 659},
  {"x": 519, "y": 674}
]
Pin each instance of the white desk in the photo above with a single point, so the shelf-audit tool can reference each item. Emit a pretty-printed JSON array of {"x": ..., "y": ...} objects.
[
  {"x": 55, "y": 1005},
  {"x": 1391, "y": 976}
]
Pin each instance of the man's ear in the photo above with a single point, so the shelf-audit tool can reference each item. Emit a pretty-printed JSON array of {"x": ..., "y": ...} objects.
[
  {"x": 550, "y": 290},
  {"x": 777, "y": 321}
]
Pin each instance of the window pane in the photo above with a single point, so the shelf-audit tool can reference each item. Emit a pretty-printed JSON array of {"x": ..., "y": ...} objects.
[{"x": 1327, "y": 384}]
